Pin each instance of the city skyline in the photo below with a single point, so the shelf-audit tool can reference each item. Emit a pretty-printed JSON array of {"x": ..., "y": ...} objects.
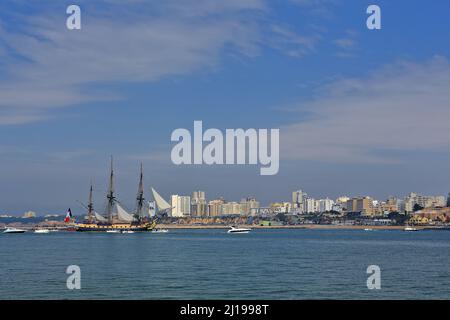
[
  {"x": 360, "y": 112},
  {"x": 197, "y": 203}
]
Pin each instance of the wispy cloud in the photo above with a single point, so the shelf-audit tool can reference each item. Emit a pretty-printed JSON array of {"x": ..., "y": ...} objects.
[
  {"x": 344, "y": 43},
  {"x": 292, "y": 43},
  {"x": 403, "y": 107},
  {"x": 45, "y": 66},
  {"x": 50, "y": 66}
]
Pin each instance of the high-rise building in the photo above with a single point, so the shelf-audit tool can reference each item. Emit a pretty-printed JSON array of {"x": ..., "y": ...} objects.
[
  {"x": 230, "y": 208},
  {"x": 199, "y": 208},
  {"x": 325, "y": 205},
  {"x": 215, "y": 207},
  {"x": 361, "y": 204},
  {"x": 424, "y": 201},
  {"x": 249, "y": 205},
  {"x": 298, "y": 200},
  {"x": 310, "y": 205},
  {"x": 181, "y": 206}
]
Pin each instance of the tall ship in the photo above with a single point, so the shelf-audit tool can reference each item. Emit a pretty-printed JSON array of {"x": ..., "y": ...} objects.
[{"x": 116, "y": 218}]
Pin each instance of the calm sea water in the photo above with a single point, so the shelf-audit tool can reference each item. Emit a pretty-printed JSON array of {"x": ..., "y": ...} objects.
[{"x": 211, "y": 264}]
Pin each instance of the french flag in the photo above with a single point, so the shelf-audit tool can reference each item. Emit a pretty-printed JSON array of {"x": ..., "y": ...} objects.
[{"x": 68, "y": 216}]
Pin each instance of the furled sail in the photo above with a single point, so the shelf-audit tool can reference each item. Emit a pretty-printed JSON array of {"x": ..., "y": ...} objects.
[
  {"x": 161, "y": 204},
  {"x": 122, "y": 215}
]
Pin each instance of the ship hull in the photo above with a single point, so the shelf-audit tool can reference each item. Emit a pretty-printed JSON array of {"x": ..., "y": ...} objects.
[{"x": 114, "y": 227}]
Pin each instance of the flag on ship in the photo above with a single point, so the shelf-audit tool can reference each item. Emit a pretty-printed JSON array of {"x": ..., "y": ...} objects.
[{"x": 68, "y": 216}]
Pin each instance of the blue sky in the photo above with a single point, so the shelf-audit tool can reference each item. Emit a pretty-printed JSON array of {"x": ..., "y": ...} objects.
[{"x": 360, "y": 112}]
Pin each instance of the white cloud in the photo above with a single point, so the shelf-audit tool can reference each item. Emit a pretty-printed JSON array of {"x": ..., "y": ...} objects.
[
  {"x": 49, "y": 66},
  {"x": 292, "y": 43},
  {"x": 344, "y": 43},
  {"x": 403, "y": 107}
]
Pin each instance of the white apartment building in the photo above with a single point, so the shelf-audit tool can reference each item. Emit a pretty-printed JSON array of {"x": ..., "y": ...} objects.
[
  {"x": 181, "y": 206},
  {"x": 325, "y": 205}
]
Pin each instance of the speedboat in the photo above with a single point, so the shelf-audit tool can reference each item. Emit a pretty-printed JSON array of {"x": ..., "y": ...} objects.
[
  {"x": 368, "y": 229},
  {"x": 160, "y": 231},
  {"x": 42, "y": 231},
  {"x": 13, "y": 230},
  {"x": 112, "y": 231},
  {"x": 126, "y": 231},
  {"x": 234, "y": 229},
  {"x": 410, "y": 229}
]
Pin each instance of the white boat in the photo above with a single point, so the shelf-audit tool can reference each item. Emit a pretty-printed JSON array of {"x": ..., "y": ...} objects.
[
  {"x": 234, "y": 229},
  {"x": 410, "y": 229},
  {"x": 127, "y": 231},
  {"x": 42, "y": 231},
  {"x": 112, "y": 231},
  {"x": 160, "y": 231},
  {"x": 13, "y": 230},
  {"x": 368, "y": 229}
]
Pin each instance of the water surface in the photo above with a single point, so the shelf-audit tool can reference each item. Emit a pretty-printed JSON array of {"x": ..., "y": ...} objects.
[{"x": 211, "y": 264}]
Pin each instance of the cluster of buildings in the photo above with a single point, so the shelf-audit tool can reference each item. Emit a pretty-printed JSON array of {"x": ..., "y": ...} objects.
[
  {"x": 302, "y": 203},
  {"x": 304, "y": 209},
  {"x": 26, "y": 215},
  {"x": 197, "y": 205}
]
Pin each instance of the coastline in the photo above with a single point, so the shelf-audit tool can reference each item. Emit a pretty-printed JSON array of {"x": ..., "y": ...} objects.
[
  {"x": 60, "y": 226},
  {"x": 305, "y": 226}
]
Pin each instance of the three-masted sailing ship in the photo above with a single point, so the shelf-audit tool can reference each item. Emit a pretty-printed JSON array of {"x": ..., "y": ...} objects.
[{"x": 116, "y": 218}]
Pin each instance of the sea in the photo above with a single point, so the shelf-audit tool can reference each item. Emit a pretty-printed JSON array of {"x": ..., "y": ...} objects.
[{"x": 212, "y": 264}]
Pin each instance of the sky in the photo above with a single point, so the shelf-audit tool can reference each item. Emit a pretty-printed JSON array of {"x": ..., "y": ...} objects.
[{"x": 360, "y": 112}]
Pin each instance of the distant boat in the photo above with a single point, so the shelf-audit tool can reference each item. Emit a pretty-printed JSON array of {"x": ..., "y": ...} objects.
[
  {"x": 42, "y": 231},
  {"x": 126, "y": 231},
  {"x": 160, "y": 231},
  {"x": 112, "y": 231},
  {"x": 234, "y": 229},
  {"x": 368, "y": 229},
  {"x": 410, "y": 229},
  {"x": 13, "y": 230}
]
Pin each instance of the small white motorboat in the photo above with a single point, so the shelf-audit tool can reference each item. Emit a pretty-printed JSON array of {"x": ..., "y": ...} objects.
[
  {"x": 42, "y": 231},
  {"x": 127, "y": 231},
  {"x": 13, "y": 230},
  {"x": 368, "y": 229},
  {"x": 112, "y": 231},
  {"x": 410, "y": 229},
  {"x": 160, "y": 231},
  {"x": 234, "y": 229}
]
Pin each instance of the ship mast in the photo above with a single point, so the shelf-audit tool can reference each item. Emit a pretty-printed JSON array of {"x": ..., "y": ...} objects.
[
  {"x": 90, "y": 207},
  {"x": 110, "y": 195},
  {"x": 140, "y": 200}
]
